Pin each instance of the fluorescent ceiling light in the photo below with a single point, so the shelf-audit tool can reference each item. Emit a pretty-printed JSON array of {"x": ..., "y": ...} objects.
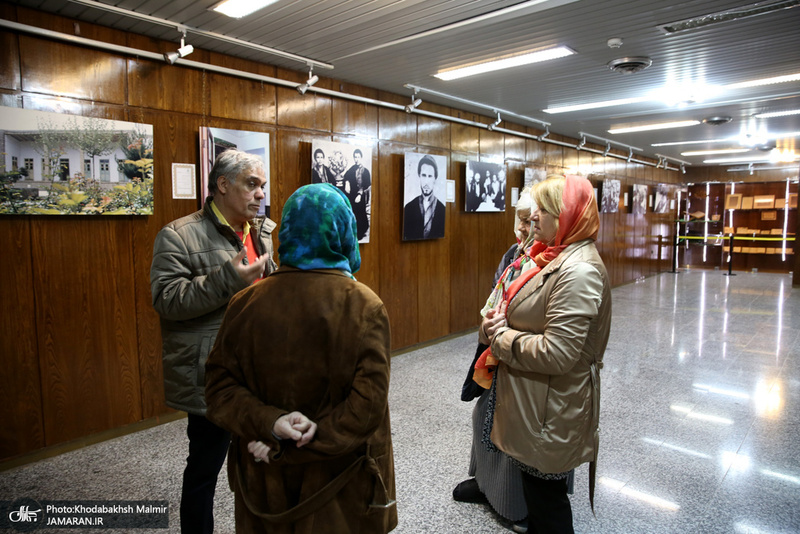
[
  {"x": 778, "y": 114},
  {"x": 697, "y": 94},
  {"x": 751, "y": 159},
  {"x": 593, "y": 105},
  {"x": 700, "y": 142},
  {"x": 657, "y": 126},
  {"x": 712, "y": 152},
  {"x": 240, "y": 8},
  {"x": 505, "y": 63},
  {"x": 764, "y": 81}
]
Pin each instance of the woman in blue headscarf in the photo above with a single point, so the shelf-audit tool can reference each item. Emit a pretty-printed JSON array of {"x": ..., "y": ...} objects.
[{"x": 299, "y": 375}]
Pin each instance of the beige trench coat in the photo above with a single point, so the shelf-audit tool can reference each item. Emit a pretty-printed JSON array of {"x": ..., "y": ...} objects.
[{"x": 548, "y": 386}]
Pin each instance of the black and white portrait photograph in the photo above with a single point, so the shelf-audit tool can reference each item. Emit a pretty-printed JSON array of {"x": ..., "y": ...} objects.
[
  {"x": 639, "y": 206},
  {"x": 610, "y": 202},
  {"x": 485, "y": 187},
  {"x": 534, "y": 175},
  {"x": 348, "y": 167},
  {"x": 662, "y": 199},
  {"x": 425, "y": 189},
  {"x": 215, "y": 141}
]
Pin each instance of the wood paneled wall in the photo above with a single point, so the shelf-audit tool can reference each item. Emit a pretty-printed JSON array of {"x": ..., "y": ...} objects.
[{"x": 79, "y": 339}]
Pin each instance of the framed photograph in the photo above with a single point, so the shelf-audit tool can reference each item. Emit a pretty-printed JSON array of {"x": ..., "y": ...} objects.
[
  {"x": 769, "y": 215},
  {"x": 747, "y": 203},
  {"x": 792, "y": 202},
  {"x": 349, "y": 168},
  {"x": 662, "y": 199},
  {"x": 215, "y": 141},
  {"x": 485, "y": 187},
  {"x": 533, "y": 175},
  {"x": 59, "y": 164},
  {"x": 424, "y": 186},
  {"x": 639, "y": 206},
  {"x": 762, "y": 202},
  {"x": 610, "y": 202},
  {"x": 733, "y": 201}
]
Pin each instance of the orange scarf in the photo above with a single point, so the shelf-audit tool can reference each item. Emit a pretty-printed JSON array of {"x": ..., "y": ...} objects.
[{"x": 579, "y": 220}]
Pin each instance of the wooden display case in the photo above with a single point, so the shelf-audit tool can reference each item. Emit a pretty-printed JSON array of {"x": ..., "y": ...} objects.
[{"x": 761, "y": 216}]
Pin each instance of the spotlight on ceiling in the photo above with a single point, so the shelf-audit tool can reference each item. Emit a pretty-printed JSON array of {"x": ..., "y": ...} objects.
[
  {"x": 495, "y": 124},
  {"x": 717, "y": 120},
  {"x": 183, "y": 51},
  {"x": 312, "y": 79},
  {"x": 415, "y": 102}
]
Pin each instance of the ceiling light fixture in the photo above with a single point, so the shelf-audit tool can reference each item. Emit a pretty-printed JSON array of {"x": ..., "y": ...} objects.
[
  {"x": 495, "y": 124},
  {"x": 414, "y": 103},
  {"x": 183, "y": 51},
  {"x": 312, "y": 79},
  {"x": 753, "y": 159},
  {"x": 696, "y": 95},
  {"x": 594, "y": 105},
  {"x": 240, "y": 8},
  {"x": 504, "y": 63},
  {"x": 738, "y": 13},
  {"x": 712, "y": 152},
  {"x": 700, "y": 142},
  {"x": 656, "y": 126},
  {"x": 493, "y": 109},
  {"x": 777, "y": 114},
  {"x": 764, "y": 81}
]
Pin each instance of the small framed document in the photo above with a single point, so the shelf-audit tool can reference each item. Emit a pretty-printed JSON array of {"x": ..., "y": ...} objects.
[{"x": 183, "y": 181}]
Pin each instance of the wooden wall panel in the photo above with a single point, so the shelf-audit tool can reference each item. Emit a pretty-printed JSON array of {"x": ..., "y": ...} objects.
[
  {"x": 153, "y": 84},
  {"x": 396, "y": 126},
  {"x": 86, "y": 324},
  {"x": 9, "y": 61},
  {"x": 465, "y": 291},
  {"x": 21, "y": 410},
  {"x": 433, "y": 132},
  {"x": 232, "y": 97},
  {"x": 56, "y": 69},
  {"x": 355, "y": 118},
  {"x": 399, "y": 288}
]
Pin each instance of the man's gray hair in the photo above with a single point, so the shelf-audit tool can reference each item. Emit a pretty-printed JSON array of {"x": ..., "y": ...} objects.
[{"x": 232, "y": 163}]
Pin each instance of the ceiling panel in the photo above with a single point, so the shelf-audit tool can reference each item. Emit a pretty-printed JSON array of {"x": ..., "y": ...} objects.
[{"x": 358, "y": 38}]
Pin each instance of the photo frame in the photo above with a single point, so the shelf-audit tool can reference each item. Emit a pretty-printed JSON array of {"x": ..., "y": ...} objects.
[
  {"x": 485, "y": 187},
  {"x": 611, "y": 193},
  {"x": 424, "y": 188},
  {"x": 639, "y": 204},
  {"x": 662, "y": 199},
  {"x": 733, "y": 201},
  {"x": 60, "y": 164},
  {"x": 215, "y": 141},
  {"x": 764, "y": 202},
  {"x": 349, "y": 168}
]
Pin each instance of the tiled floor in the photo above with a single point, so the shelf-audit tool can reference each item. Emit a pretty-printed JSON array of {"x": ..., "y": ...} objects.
[{"x": 700, "y": 423}]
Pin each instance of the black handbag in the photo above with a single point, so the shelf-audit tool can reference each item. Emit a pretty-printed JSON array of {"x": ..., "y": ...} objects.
[{"x": 471, "y": 390}]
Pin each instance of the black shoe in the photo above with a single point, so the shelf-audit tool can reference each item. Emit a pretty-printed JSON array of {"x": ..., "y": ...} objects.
[
  {"x": 520, "y": 526},
  {"x": 468, "y": 491}
]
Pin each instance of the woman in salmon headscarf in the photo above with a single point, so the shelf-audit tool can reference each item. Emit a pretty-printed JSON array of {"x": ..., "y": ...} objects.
[{"x": 547, "y": 337}]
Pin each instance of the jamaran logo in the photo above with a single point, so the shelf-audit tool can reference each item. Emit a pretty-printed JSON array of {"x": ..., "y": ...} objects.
[{"x": 24, "y": 514}]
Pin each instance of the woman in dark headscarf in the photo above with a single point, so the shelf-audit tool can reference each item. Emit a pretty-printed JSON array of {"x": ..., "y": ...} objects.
[
  {"x": 547, "y": 337},
  {"x": 300, "y": 377}
]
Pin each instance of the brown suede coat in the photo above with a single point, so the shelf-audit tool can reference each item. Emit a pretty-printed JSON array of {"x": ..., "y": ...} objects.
[{"x": 316, "y": 342}]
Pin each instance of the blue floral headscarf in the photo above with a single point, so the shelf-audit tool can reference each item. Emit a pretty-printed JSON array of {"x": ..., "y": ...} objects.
[{"x": 318, "y": 230}]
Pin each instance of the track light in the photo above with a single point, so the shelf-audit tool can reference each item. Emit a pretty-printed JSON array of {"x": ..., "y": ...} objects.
[
  {"x": 683, "y": 168},
  {"x": 312, "y": 79},
  {"x": 183, "y": 51},
  {"x": 582, "y": 143},
  {"x": 415, "y": 102},
  {"x": 495, "y": 124}
]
